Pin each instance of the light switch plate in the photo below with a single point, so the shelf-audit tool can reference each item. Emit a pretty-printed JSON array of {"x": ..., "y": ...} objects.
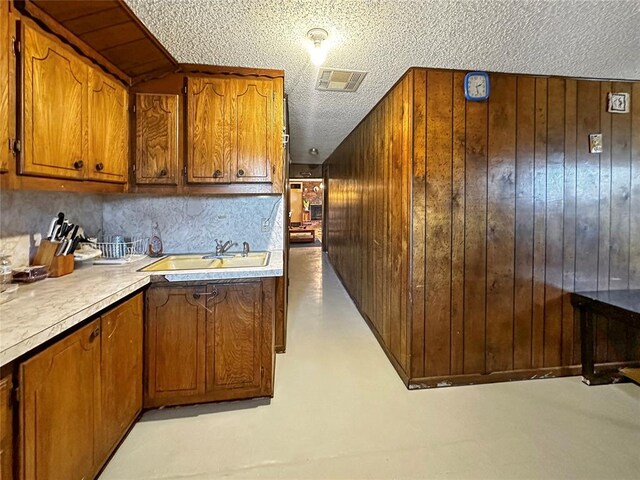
[{"x": 595, "y": 143}]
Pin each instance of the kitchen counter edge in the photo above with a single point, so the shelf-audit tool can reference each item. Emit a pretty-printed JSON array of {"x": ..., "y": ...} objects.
[{"x": 41, "y": 311}]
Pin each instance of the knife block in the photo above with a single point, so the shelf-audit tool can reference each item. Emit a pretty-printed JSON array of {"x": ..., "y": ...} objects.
[{"x": 57, "y": 266}]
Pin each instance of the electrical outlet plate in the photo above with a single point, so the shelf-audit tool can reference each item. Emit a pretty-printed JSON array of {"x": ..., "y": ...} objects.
[
  {"x": 595, "y": 143},
  {"x": 264, "y": 225}
]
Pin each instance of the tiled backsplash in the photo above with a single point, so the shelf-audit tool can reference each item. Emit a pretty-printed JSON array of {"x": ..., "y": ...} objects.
[
  {"x": 190, "y": 224},
  {"x": 24, "y": 216}
]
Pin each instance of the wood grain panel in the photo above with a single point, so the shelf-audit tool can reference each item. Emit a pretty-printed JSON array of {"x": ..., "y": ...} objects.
[
  {"x": 569, "y": 223},
  {"x": 369, "y": 206},
  {"x": 108, "y": 129},
  {"x": 634, "y": 229},
  {"x": 439, "y": 145},
  {"x": 475, "y": 264},
  {"x": 7, "y": 434},
  {"x": 4, "y": 86},
  {"x": 175, "y": 351},
  {"x": 55, "y": 108},
  {"x": 457, "y": 225},
  {"x": 157, "y": 157},
  {"x": 501, "y": 153},
  {"x": 523, "y": 287},
  {"x": 60, "y": 409},
  {"x": 552, "y": 356},
  {"x": 539, "y": 222},
  {"x": 121, "y": 371},
  {"x": 252, "y": 130},
  {"x": 233, "y": 336},
  {"x": 208, "y": 131},
  {"x": 509, "y": 213},
  {"x": 418, "y": 251}
]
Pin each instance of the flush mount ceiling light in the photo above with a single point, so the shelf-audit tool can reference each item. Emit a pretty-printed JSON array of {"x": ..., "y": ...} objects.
[
  {"x": 313, "y": 151},
  {"x": 317, "y": 50}
]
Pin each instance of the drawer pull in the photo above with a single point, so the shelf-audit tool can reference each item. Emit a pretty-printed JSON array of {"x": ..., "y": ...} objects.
[
  {"x": 240, "y": 173},
  {"x": 163, "y": 173},
  {"x": 78, "y": 164},
  {"x": 100, "y": 167},
  {"x": 217, "y": 174}
]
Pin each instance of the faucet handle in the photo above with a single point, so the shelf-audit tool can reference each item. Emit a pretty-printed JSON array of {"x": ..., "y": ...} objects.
[{"x": 245, "y": 249}]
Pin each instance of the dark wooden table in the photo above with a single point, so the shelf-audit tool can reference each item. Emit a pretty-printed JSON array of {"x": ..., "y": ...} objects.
[{"x": 622, "y": 305}]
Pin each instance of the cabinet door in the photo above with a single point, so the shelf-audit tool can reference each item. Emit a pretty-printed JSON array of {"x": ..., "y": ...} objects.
[
  {"x": 5, "y": 45},
  {"x": 55, "y": 108},
  {"x": 208, "y": 133},
  {"x": 253, "y": 130},
  {"x": 157, "y": 139},
  {"x": 175, "y": 344},
  {"x": 6, "y": 429},
  {"x": 121, "y": 371},
  {"x": 234, "y": 368},
  {"x": 59, "y": 410},
  {"x": 108, "y": 129}
]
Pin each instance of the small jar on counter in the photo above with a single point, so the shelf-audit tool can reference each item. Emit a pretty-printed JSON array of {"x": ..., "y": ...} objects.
[{"x": 5, "y": 271}]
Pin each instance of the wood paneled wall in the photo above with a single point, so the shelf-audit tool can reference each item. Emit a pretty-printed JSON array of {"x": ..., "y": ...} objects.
[
  {"x": 369, "y": 222},
  {"x": 490, "y": 213}
]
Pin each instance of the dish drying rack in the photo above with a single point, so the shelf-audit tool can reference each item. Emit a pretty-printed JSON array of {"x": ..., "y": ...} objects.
[{"x": 121, "y": 249}]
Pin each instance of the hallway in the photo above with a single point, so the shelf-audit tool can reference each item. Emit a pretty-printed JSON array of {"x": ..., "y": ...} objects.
[{"x": 340, "y": 411}]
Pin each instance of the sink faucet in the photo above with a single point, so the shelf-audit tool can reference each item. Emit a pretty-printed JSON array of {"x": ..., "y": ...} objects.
[
  {"x": 221, "y": 248},
  {"x": 245, "y": 249}
]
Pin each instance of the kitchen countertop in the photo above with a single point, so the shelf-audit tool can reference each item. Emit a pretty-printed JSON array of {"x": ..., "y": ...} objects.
[{"x": 45, "y": 309}]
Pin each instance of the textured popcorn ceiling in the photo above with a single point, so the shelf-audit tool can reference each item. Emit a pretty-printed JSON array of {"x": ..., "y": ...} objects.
[{"x": 596, "y": 38}]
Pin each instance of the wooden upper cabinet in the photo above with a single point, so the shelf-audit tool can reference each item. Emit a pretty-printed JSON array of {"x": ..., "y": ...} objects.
[
  {"x": 175, "y": 344},
  {"x": 157, "y": 159},
  {"x": 5, "y": 45},
  {"x": 255, "y": 140},
  {"x": 234, "y": 332},
  {"x": 208, "y": 135},
  {"x": 60, "y": 408},
  {"x": 108, "y": 129},
  {"x": 121, "y": 371},
  {"x": 55, "y": 142}
]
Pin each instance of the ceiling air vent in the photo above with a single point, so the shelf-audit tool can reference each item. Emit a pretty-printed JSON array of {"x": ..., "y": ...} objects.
[{"x": 333, "y": 80}]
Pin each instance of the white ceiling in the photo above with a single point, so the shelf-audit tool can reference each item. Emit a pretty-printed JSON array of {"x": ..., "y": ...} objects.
[{"x": 581, "y": 38}]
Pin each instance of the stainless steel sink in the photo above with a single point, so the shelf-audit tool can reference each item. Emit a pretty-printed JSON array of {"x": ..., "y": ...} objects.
[{"x": 207, "y": 262}]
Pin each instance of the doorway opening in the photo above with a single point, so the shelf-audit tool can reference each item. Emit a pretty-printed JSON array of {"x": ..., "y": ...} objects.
[{"x": 306, "y": 204}]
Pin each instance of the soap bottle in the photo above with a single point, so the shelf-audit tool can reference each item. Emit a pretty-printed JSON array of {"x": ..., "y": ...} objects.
[{"x": 155, "y": 243}]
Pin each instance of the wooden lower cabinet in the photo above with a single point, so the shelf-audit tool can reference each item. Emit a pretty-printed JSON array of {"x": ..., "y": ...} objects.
[
  {"x": 59, "y": 411},
  {"x": 80, "y": 395},
  {"x": 6, "y": 428},
  {"x": 120, "y": 371},
  {"x": 175, "y": 345},
  {"x": 209, "y": 342}
]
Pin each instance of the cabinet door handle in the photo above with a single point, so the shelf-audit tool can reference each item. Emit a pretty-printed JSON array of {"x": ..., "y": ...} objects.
[
  {"x": 78, "y": 164},
  {"x": 240, "y": 173},
  {"x": 163, "y": 173},
  {"x": 95, "y": 334},
  {"x": 217, "y": 174},
  {"x": 100, "y": 166}
]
